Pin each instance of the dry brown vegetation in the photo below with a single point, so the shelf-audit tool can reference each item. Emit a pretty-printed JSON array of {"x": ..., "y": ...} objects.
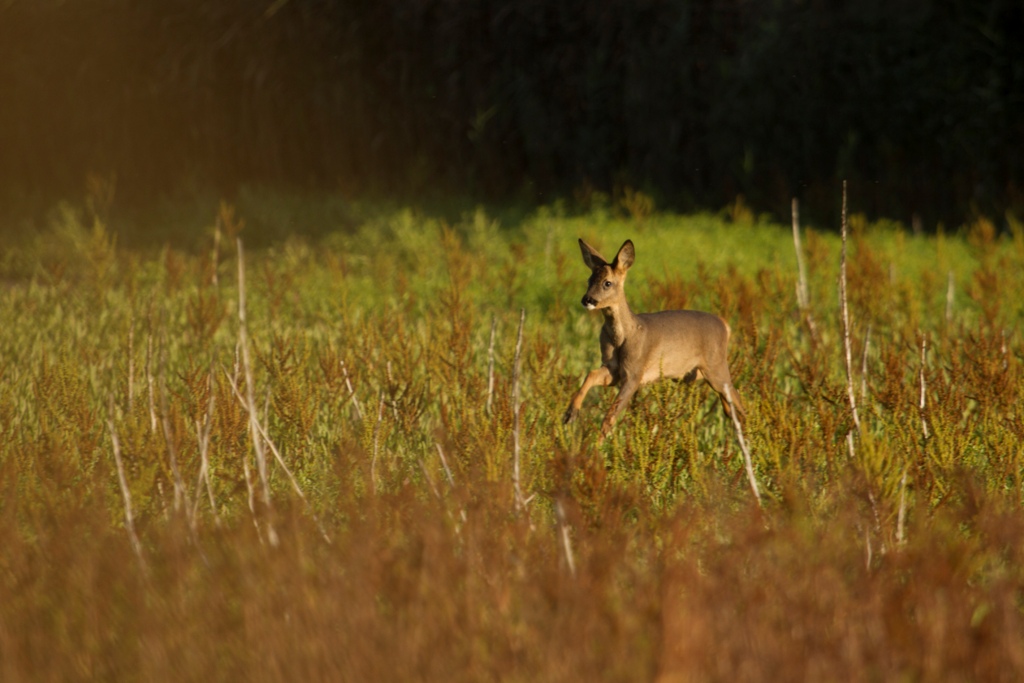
[{"x": 394, "y": 546}]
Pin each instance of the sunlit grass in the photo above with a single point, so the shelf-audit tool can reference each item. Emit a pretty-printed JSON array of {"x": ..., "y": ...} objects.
[{"x": 369, "y": 335}]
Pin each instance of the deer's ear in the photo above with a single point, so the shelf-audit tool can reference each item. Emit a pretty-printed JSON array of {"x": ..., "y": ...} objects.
[
  {"x": 624, "y": 259},
  {"x": 591, "y": 257}
]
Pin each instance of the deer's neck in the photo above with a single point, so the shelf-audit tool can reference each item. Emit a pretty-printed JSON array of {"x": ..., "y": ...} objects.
[{"x": 620, "y": 322}]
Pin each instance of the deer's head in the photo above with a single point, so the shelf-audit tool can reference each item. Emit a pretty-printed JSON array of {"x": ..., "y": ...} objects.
[{"x": 605, "y": 287}]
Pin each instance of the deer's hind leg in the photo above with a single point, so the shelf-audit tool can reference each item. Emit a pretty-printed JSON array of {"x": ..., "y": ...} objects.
[{"x": 718, "y": 381}]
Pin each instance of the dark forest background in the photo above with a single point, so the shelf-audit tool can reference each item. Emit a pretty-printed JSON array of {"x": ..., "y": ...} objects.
[{"x": 919, "y": 103}]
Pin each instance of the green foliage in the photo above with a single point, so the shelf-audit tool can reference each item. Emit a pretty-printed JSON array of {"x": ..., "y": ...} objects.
[{"x": 370, "y": 351}]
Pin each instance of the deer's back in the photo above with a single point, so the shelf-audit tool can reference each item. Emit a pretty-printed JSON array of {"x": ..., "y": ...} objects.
[{"x": 677, "y": 342}]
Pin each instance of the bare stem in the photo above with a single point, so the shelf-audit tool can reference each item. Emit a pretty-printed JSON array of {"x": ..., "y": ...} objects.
[
  {"x": 430, "y": 480},
  {"x": 924, "y": 423},
  {"x": 747, "y": 462},
  {"x": 376, "y": 435},
  {"x": 490, "y": 365},
  {"x": 802, "y": 296},
  {"x": 246, "y": 469},
  {"x": 391, "y": 382},
  {"x": 257, "y": 443},
  {"x": 149, "y": 378},
  {"x": 280, "y": 461},
  {"x": 444, "y": 463},
  {"x": 126, "y": 495},
  {"x": 874, "y": 509},
  {"x": 180, "y": 491},
  {"x": 516, "y": 370},
  {"x": 950, "y": 291},
  {"x": 563, "y": 533},
  {"x": 437, "y": 494},
  {"x": 902, "y": 516},
  {"x": 351, "y": 392},
  {"x": 131, "y": 358},
  {"x": 867, "y": 549},
  {"x": 801, "y": 285},
  {"x": 846, "y": 320},
  {"x": 215, "y": 256},
  {"x": 864, "y": 365},
  {"x": 203, "y": 432},
  {"x": 1004, "y": 350}
]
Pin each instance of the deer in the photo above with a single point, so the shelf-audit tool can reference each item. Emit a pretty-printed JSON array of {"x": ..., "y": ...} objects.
[{"x": 637, "y": 349}]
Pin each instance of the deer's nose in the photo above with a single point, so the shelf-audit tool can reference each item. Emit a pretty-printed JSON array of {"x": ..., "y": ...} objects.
[{"x": 589, "y": 302}]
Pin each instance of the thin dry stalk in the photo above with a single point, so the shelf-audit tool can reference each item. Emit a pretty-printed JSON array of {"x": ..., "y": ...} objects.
[
  {"x": 391, "y": 382},
  {"x": 126, "y": 495},
  {"x": 802, "y": 296},
  {"x": 921, "y": 405},
  {"x": 376, "y": 435},
  {"x": 246, "y": 469},
  {"x": 351, "y": 392},
  {"x": 521, "y": 502},
  {"x": 867, "y": 547},
  {"x": 181, "y": 497},
  {"x": 437, "y": 494},
  {"x": 902, "y": 516},
  {"x": 131, "y": 359},
  {"x": 876, "y": 516},
  {"x": 280, "y": 461},
  {"x": 430, "y": 480},
  {"x": 864, "y": 365},
  {"x": 243, "y": 344},
  {"x": 180, "y": 490},
  {"x": 203, "y": 431},
  {"x": 565, "y": 538},
  {"x": 747, "y": 462},
  {"x": 444, "y": 463},
  {"x": 801, "y": 285},
  {"x": 203, "y": 436},
  {"x": 451, "y": 484},
  {"x": 1004, "y": 350},
  {"x": 149, "y": 378},
  {"x": 163, "y": 500},
  {"x": 490, "y": 365},
  {"x": 215, "y": 256},
  {"x": 846, "y": 320},
  {"x": 266, "y": 409},
  {"x": 257, "y": 443},
  {"x": 874, "y": 508},
  {"x": 950, "y": 292}
]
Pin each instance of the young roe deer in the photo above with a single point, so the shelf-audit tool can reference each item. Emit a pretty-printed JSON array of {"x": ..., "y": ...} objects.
[{"x": 637, "y": 349}]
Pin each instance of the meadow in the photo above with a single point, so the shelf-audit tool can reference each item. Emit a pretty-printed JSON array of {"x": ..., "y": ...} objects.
[{"x": 338, "y": 454}]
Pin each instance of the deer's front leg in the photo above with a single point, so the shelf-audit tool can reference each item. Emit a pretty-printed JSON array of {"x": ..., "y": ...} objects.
[
  {"x": 601, "y": 377},
  {"x": 629, "y": 388}
]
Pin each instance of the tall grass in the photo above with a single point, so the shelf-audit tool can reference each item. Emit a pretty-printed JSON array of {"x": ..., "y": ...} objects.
[{"x": 393, "y": 544}]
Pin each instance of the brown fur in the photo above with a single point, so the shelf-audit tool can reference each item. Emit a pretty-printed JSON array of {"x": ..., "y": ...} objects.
[{"x": 638, "y": 349}]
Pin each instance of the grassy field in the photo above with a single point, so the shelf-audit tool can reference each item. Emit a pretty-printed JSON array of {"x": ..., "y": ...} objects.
[{"x": 329, "y": 492}]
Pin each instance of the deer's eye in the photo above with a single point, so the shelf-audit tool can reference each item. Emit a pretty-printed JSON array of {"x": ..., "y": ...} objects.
[{"x": 607, "y": 284}]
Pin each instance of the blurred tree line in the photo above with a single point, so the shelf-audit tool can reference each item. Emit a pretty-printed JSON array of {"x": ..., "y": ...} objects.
[{"x": 919, "y": 103}]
